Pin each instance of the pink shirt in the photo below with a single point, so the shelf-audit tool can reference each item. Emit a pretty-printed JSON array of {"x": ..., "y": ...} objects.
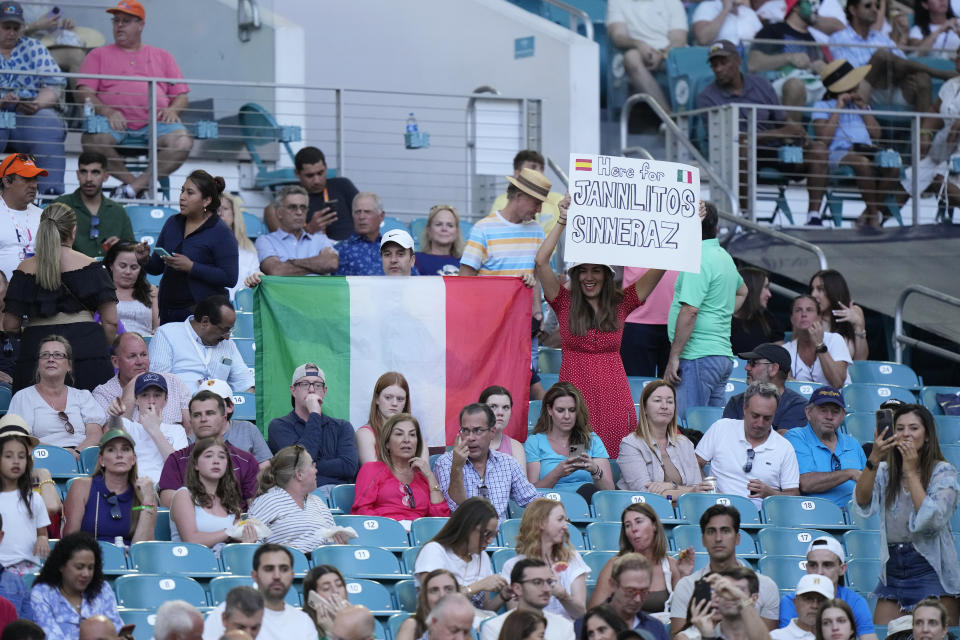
[
  {"x": 379, "y": 493},
  {"x": 657, "y": 306},
  {"x": 130, "y": 96}
]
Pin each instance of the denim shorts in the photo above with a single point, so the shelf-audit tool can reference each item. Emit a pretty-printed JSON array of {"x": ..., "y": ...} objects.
[
  {"x": 910, "y": 578},
  {"x": 141, "y": 137}
]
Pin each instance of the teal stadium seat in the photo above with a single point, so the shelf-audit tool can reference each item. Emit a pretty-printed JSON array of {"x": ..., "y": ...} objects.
[
  {"x": 254, "y": 225},
  {"x": 243, "y": 299},
  {"x": 245, "y": 406},
  {"x": 952, "y": 453},
  {"x": 247, "y": 350},
  {"x": 422, "y": 530},
  {"x": 869, "y": 397},
  {"x": 609, "y": 505},
  {"x": 144, "y": 621},
  {"x": 549, "y": 379},
  {"x": 395, "y": 621},
  {"x": 221, "y": 586},
  {"x": 150, "y": 590},
  {"x": 928, "y": 397},
  {"x": 57, "y": 460},
  {"x": 184, "y": 558},
  {"x": 465, "y": 228},
  {"x": 861, "y": 425},
  {"x": 859, "y": 522},
  {"x": 783, "y": 541},
  {"x": 259, "y": 127},
  {"x": 948, "y": 429},
  {"x": 372, "y": 563},
  {"x": 863, "y": 574},
  {"x": 862, "y": 545},
  {"x": 805, "y": 389},
  {"x": 376, "y": 531},
  {"x": 734, "y": 387},
  {"x": 549, "y": 360},
  {"x": 689, "y": 535},
  {"x": 578, "y": 511},
  {"x": 372, "y": 595},
  {"x": 147, "y": 221},
  {"x": 88, "y": 459},
  {"x": 596, "y": 561},
  {"x": 509, "y": 529},
  {"x": 341, "y": 497},
  {"x": 114, "y": 559},
  {"x": 885, "y": 373},
  {"x": 739, "y": 371},
  {"x": 237, "y": 559},
  {"x": 408, "y": 557},
  {"x": 243, "y": 327},
  {"x": 691, "y": 505},
  {"x": 701, "y": 418},
  {"x": 687, "y": 74},
  {"x": 604, "y": 536},
  {"x": 803, "y": 511},
  {"x": 786, "y": 571},
  {"x": 406, "y": 592},
  {"x": 417, "y": 225},
  {"x": 500, "y": 558},
  {"x": 6, "y": 394},
  {"x": 637, "y": 383},
  {"x": 390, "y": 223},
  {"x": 533, "y": 413}
]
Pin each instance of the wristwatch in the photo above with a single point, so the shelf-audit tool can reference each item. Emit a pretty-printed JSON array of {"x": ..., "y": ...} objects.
[
  {"x": 870, "y": 465},
  {"x": 821, "y": 348}
]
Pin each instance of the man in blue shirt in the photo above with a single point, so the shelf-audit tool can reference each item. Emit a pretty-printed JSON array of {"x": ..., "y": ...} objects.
[
  {"x": 825, "y": 557},
  {"x": 360, "y": 253},
  {"x": 770, "y": 362},
  {"x": 630, "y": 579},
  {"x": 830, "y": 463},
  {"x": 290, "y": 250}
]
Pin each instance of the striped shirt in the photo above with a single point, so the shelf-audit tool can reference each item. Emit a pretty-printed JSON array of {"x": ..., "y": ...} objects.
[
  {"x": 299, "y": 528},
  {"x": 859, "y": 56},
  {"x": 501, "y": 248}
]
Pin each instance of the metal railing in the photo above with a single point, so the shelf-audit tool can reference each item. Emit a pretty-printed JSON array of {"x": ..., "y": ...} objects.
[
  {"x": 576, "y": 15},
  {"x": 901, "y": 339}
]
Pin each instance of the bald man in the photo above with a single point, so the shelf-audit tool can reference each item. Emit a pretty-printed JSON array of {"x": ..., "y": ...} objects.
[
  {"x": 353, "y": 623},
  {"x": 98, "y": 627}
]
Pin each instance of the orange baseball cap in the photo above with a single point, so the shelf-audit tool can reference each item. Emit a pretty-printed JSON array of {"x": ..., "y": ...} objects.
[
  {"x": 129, "y": 7},
  {"x": 18, "y": 164}
]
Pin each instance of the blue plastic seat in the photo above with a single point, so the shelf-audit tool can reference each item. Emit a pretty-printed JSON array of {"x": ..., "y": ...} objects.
[
  {"x": 862, "y": 545},
  {"x": 88, "y": 459},
  {"x": 259, "y": 127},
  {"x": 604, "y": 536},
  {"x": 114, "y": 559},
  {"x": 689, "y": 535},
  {"x": 6, "y": 394},
  {"x": 596, "y": 561},
  {"x": 702, "y": 418},
  {"x": 408, "y": 557},
  {"x": 533, "y": 413},
  {"x": 863, "y": 574},
  {"x": 803, "y": 511},
  {"x": 243, "y": 327},
  {"x": 374, "y": 563},
  {"x": 687, "y": 74},
  {"x": 948, "y": 429},
  {"x": 372, "y": 595},
  {"x": 952, "y": 453},
  {"x": 500, "y": 558},
  {"x": 150, "y": 590},
  {"x": 928, "y": 397},
  {"x": 247, "y": 350},
  {"x": 185, "y": 558},
  {"x": 549, "y": 379},
  {"x": 417, "y": 226},
  {"x": 376, "y": 531},
  {"x": 615, "y": 473},
  {"x": 221, "y": 586},
  {"x": 395, "y": 621},
  {"x": 637, "y": 383},
  {"x": 734, "y": 387},
  {"x": 739, "y": 371},
  {"x": 144, "y": 621},
  {"x": 691, "y": 505},
  {"x": 243, "y": 299},
  {"x": 783, "y": 541},
  {"x": 885, "y": 373},
  {"x": 872, "y": 523},
  {"x": 509, "y": 529},
  {"x": 406, "y": 592},
  {"x": 389, "y": 223},
  {"x": 57, "y": 460},
  {"x": 341, "y": 497},
  {"x": 578, "y": 511},
  {"x": 805, "y": 389},
  {"x": 237, "y": 559},
  {"x": 147, "y": 221},
  {"x": 869, "y": 397},
  {"x": 609, "y": 505},
  {"x": 786, "y": 571},
  {"x": 549, "y": 360},
  {"x": 422, "y": 530},
  {"x": 245, "y": 406},
  {"x": 861, "y": 425},
  {"x": 254, "y": 225}
]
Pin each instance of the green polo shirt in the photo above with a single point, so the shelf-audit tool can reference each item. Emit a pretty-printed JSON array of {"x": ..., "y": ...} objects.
[
  {"x": 713, "y": 291},
  {"x": 114, "y": 221}
]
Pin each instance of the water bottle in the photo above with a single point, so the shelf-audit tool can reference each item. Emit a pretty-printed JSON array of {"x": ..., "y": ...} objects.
[
  {"x": 412, "y": 124},
  {"x": 88, "y": 110}
]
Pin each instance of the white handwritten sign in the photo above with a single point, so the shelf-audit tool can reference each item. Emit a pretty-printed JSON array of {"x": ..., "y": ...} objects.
[{"x": 635, "y": 213}]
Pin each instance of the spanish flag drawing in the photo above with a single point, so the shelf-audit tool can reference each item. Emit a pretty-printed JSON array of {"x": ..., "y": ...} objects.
[{"x": 584, "y": 164}]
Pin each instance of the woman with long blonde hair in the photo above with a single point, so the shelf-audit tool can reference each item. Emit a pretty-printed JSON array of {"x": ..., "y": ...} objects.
[
  {"x": 231, "y": 212},
  {"x": 544, "y": 535},
  {"x": 59, "y": 290},
  {"x": 391, "y": 395},
  {"x": 441, "y": 243}
]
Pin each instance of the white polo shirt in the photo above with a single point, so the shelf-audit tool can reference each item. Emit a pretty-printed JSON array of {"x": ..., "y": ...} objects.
[
  {"x": 791, "y": 632},
  {"x": 725, "y": 446}
]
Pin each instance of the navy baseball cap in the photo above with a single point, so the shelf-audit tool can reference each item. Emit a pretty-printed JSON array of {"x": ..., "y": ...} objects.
[
  {"x": 11, "y": 12},
  {"x": 827, "y": 395},
  {"x": 147, "y": 380}
]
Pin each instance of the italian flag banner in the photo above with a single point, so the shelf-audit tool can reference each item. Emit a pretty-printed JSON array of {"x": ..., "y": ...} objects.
[{"x": 451, "y": 337}]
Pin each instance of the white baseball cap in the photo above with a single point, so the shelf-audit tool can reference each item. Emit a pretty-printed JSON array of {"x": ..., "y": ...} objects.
[
  {"x": 397, "y": 236},
  {"x": 829, "y": 543},
  {"x": 814, "y": 583},
  {"x": 219, "y": 387}
]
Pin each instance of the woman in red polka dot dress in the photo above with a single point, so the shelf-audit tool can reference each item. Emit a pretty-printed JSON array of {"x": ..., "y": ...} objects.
[{"x": 591, "y": 316}]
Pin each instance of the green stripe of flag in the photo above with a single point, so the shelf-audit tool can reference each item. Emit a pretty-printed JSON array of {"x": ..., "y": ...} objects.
[{"x": 299, "y": 320}]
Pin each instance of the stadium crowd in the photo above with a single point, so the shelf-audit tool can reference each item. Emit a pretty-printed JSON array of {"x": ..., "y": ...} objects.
[{"x": 158, "y": 416}]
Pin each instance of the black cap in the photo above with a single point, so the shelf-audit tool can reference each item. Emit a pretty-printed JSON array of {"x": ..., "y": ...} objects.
[
  {"x": 772, "y": 352},
  {"x": 722, "y": 48}
]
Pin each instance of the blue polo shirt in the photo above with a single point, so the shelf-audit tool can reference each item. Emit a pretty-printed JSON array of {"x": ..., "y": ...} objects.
[
  {"x": 284, "y": 245},
  {"x": 813, "y": 455},
  {"x": 861, "y": 611}
]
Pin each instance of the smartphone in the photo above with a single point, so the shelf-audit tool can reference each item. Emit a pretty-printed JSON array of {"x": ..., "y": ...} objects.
[
  {"x": 163, "y": 252},
  {"x": 702, "y": 591},
  {"x": 576, "y": 450},
  {"x": 333, "y": 204},
  {"x": 885, "y": 423}
]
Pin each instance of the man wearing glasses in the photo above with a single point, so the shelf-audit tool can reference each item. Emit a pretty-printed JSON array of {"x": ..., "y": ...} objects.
[
  {"x": 331, "y": 442},
  {"x": 290, "y": 250},
  {"x": 830, "y": 462},
  {"x": 747, "y": 456},
  {"x": 630, "y": 580},
  {"x": 19, "y": 217},
  {"x": 471, "y": 469},
  {"x": 531, "y": 582},
  {"x": 770, "y": 362}
]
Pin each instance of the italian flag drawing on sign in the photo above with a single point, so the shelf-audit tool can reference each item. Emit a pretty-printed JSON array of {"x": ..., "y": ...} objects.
[
  {"x": 684, "y": 176},
  {"x": 450, "y": 337}
]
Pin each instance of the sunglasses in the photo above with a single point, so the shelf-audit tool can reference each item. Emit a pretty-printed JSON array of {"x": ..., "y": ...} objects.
[
  {"x": 410, "y": 498},
  {"x": 750, "y": 456},
  {"x": 66, "y": 421},
  {"x": 112, "y": 500},
  {"x": 834, "y": 462},
  {"x": 484, "y": 491}
]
